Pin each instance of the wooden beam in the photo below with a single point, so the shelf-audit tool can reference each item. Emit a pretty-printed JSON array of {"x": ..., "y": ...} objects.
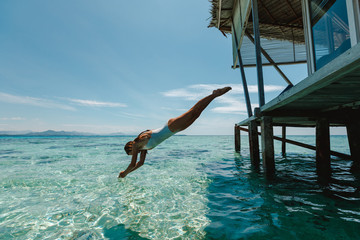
[
  {"x": 292, "y": 9},
  {"x": 280, "y": 25},
  {"x": 323, "y": 164},
  {"x": 237, "y": 139},
  {"x": 246, "y": 121},
  {"x": 295, "y": 20},
  {"x": 267, "y": 11},
  {"x": 353, "y": 134},
  {"x": 283, "y": 140},
  {"x": 272, "y": 64},
  {"x": 267, "y": 146},
  {"x": 333, "y": 115},
  {"x": 219, "y": 14},
  {"x": 243, "y": 76},
  {"x": 260, "y": 78}
]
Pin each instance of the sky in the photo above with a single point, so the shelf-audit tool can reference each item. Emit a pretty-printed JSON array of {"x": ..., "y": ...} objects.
[{"x": 119, "y": 66}]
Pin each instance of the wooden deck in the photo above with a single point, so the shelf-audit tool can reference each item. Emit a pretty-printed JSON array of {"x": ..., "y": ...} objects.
[{"x": 330, "y": 92}]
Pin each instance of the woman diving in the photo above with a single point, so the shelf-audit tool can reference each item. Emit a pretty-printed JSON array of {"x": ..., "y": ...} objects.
[{"x": 151, "y": 138}]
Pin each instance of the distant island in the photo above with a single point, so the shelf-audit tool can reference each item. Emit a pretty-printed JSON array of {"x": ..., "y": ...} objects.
[{"x": 55, "y": 133}]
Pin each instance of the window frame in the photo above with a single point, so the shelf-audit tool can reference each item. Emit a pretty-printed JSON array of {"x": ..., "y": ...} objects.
[{"x": 353, "y": 12}]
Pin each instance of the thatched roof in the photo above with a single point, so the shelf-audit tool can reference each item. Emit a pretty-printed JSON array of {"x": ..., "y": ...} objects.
[{"x": 280, "y": 20}]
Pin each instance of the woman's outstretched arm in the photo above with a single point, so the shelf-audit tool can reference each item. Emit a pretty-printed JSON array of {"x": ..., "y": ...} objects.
[
  {"x": 142, "y": 160},
  {"x": 132, "y": 164}
]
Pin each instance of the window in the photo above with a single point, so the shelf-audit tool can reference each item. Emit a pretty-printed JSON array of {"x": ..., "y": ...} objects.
[{"x": 330, "y": 30}]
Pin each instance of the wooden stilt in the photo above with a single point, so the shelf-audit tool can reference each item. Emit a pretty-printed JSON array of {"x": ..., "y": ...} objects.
[
  {"x": 267, "y": 145},
  {"x": 283, "y": 140},
  {"x": 304, "y": 145},
  {"x": 237, "y": 138},
  {"x": 323, "y": 165},
  {"x": 254, "y": 144},
  {"x": 353, "y": 133}
]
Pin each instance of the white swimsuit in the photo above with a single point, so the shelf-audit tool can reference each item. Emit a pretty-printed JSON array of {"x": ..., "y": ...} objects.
[{"x": 158, "y": 136}]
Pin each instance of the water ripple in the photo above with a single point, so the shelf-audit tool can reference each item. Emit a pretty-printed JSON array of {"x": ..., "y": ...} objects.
[{"x": 191, "y": 187}]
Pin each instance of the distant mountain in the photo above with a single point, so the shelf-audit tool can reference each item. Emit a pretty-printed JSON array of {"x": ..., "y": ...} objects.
[{"x": 58, "y": 133}]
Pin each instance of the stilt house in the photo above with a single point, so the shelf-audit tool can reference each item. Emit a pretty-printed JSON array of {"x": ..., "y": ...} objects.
[{"x": 324, "y": 34}]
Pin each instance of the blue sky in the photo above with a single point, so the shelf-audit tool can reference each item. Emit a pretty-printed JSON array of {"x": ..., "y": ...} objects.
[{"x": 118, "y": 66}]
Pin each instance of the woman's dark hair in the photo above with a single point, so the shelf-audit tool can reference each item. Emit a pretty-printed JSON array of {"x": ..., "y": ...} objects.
[{"x": 128, "y": 145}]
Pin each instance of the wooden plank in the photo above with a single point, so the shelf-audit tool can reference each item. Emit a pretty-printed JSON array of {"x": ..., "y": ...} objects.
[{"x": 246, "y": 121}]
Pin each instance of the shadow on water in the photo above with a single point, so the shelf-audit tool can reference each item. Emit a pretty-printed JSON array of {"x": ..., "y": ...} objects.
[
  {"x": 119, "y": 232},
  {"x": 234, "y": 195},
  {"x": 295, "y": 204}
]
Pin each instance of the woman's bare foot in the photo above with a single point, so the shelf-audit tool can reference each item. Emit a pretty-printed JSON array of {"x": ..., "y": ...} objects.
[{"x": 221, "y": 91}]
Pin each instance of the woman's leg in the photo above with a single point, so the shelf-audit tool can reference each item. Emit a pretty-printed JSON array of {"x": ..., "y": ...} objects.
[{"x": 185, "y": 120}]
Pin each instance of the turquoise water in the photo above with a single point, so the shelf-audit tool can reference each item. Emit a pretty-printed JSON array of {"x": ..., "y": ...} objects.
[{"x": 191, "y": 187}]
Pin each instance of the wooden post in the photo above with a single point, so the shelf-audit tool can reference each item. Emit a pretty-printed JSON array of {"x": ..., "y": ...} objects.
[
  {"x": 304, "y": 145},
  {"x": 283, "y": 140},
  {"x": 237, "y": 138},
  {"x": 267, "y": 145},
  {"x": 255, "y": 16},
  {"x": 254, "y": 144},
  {"x": 323, "y": 165},
  {"x": 353, "y": 133}
]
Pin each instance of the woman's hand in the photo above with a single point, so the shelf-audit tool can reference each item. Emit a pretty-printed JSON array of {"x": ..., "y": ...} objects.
[{"x": 121, "y": 174}]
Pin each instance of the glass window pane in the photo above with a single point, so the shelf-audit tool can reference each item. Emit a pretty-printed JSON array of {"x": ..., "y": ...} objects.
[{"x": 330, "y": 30}]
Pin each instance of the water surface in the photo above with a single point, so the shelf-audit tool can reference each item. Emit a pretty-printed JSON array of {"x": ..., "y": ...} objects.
[{"x": 191, "y": 187}]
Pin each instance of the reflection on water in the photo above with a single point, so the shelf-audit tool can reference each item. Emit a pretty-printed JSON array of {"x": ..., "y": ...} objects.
[{"x": 191, "y": 187}]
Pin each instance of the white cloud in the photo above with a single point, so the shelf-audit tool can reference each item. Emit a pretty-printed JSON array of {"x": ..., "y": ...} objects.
[
  {"x": 200, "y": 90},
  {"x": 92, "y": 103},
  {"x": 12, "y": 118},
  {"x": 232, "y": 102},
  {"x": 38, "y": 102},
  {"x": 182, "y": 93},
  {"x": 132, "y": 115}
]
